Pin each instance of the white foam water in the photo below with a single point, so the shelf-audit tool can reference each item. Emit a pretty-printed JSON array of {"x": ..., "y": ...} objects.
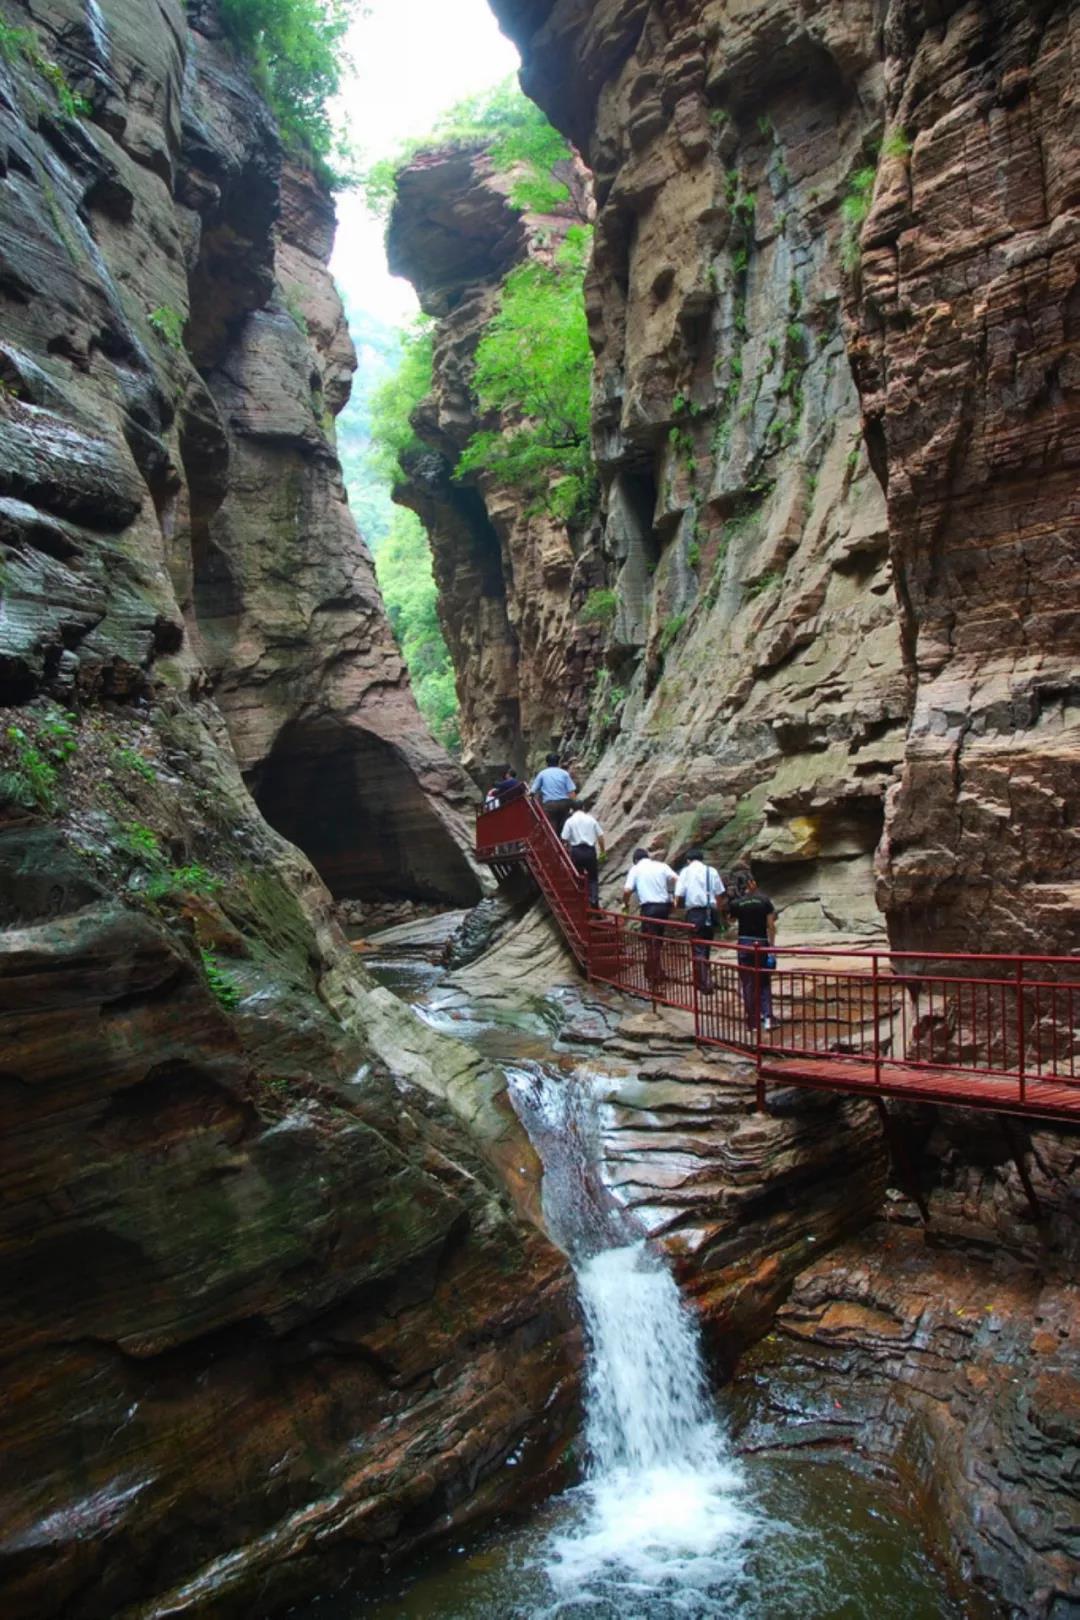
[
  {"x": 662, "y": 1520},
  {"x": 664, "y": 1517}
]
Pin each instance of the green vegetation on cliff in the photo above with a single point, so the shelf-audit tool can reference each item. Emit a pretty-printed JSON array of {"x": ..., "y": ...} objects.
[
  {"x": 296, "y": 50},
  {"x": 393, "y": 377},
  {"x": 378, "y": 352},
  {"x": 393, "y": 403},
  {"x": 403, "y": 563},
  {"x": 534, "y": 362},
  {"x": 516, "y": 135}
]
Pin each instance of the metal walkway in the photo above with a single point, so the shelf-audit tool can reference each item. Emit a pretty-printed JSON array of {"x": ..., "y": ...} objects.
[{"x": 994, "y": 1032}]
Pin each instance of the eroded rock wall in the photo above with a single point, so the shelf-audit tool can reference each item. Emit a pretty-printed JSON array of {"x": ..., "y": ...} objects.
[
  {"x": 253, "y": 1265},
  {"x": 753, "y": 696},
  {"x": 964, "y": 336},
  {"x": 510, "y": 574},
  {"x": 787, "y": 634}
]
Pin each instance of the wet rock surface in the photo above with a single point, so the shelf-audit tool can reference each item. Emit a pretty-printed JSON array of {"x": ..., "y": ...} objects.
[
  {"x": 903, "y": 1298},
  {"x": 958, "y": 1372},
  {"x": 269, "y": 1308}
]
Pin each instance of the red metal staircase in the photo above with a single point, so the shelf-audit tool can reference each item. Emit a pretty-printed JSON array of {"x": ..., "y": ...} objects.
[{"x": 979, "y": 1031}]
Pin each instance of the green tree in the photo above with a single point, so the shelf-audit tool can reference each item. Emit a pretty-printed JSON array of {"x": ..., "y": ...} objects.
[
  {"x": 393, "y": 403},
  {"x": 512, "y": 129},
  {"x": 403, "y": 565},
  {"x": 296, "y": 50},
  {"x": 534, "y": 362},
  {"x": 378, "y": 353}
]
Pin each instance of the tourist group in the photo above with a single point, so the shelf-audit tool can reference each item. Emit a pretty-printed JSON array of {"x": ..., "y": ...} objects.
[{"x": 697, "y": 890}]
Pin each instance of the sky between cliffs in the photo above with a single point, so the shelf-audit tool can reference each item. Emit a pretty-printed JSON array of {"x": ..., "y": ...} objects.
[{"x": 413, "y": 59}]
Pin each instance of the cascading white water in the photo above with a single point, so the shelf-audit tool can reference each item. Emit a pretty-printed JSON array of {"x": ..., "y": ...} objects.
[
  {"x": 645, "y": 1402},
  {"x": 99, "y": 33},
  {"x": 663, "y": 1517}
]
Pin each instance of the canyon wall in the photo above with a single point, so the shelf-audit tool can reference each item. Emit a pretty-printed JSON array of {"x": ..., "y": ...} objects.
[
  {"x": 269, "y": 1316},
  {"x": 510, "y": 573},
  {"x": 751, "y": 694},
  {"x": 835, "y": 451},
  {"x": 833, "y": 303}
]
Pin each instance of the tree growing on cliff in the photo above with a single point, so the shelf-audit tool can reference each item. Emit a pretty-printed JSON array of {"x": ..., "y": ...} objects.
[
  {"x": 534, "y": 364},
  {"x": 403, "y": 564},
  {"x": 395, "y": 400},
  {"x": 296, "y": 49},
  {"x": 516, "y": 135}
]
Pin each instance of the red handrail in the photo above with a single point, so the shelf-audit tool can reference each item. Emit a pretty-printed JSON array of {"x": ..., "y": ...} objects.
[{"x": 926, "y": 1024}]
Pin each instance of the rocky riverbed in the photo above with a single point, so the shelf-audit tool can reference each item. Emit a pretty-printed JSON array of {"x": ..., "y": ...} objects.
[{"x": 942, "y": 1356}]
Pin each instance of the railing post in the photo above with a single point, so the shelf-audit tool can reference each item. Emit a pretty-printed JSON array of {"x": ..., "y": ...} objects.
[
  {"x": 877, "y": 1023},
  {"x": 759, "y": 1021},
  {"x": 696, "y": 998},
  {"x": 1020, "y": 1064}
]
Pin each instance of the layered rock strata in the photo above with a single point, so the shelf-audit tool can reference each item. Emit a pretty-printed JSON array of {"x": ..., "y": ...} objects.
[
  {"x": 905, "y": 1297},
  {"x": 964, "y": 332},
  {"x": 270, "y": 1319},
  {"x": 753, "y": 696},
  {"x": 795, "y": 634},
  {"x": 510, "y": 574},
  {"x": 959, "y": 1374}
]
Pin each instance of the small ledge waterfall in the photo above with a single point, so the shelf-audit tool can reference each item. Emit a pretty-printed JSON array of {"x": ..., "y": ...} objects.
[{"x": 663, "y": 1508}]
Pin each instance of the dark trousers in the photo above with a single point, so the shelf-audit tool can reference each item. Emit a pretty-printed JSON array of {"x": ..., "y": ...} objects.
[
  {"x": 557, "y": 811},
  {"x": 655, "y": 914},
  {"x": 703, "y": 919},
  {"x": 584, "y": 858},
  {"x": 755, "y": 984}
]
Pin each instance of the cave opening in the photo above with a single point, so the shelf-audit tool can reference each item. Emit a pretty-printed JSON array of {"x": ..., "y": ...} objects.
[{"x": 352, "y": 802}]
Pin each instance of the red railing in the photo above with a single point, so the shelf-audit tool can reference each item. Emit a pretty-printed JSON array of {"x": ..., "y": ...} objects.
[{"x": 986, "y": 1031}]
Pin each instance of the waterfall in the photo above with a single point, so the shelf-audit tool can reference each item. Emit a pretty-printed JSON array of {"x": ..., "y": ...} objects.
[
  {"x": 645, "y": 1382},
  {"x": 99, "y": 33},
  {"x": 662, "y": 1520}
]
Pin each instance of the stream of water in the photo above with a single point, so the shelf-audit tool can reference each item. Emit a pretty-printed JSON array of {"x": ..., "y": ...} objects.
[{"x": 667, "y": 1523}]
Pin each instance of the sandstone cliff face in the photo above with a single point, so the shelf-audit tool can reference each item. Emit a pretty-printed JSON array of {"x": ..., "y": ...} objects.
[
  {"x": 818, "y": 634},
  {"x": 753, "y": 695},
  {"x": 509, "y": 575},
  {"x": 964, "y": 344},
  {"x": 242, "y": 1254}
]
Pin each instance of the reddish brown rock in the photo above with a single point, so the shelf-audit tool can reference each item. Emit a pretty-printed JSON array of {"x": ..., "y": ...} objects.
[
  {"x": 960, "y": 1374},
  {"x": 270, "y": 1319},
  {"x": 964, "y": 346},
  {"x": 753, "y": 697}
]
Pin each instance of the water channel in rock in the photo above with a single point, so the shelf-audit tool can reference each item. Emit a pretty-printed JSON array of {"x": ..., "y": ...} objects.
[{"x": 668, "y": 1521}]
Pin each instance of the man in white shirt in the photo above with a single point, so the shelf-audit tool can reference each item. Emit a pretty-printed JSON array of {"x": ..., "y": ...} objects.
[
  {"x": 652, "y": 881},
  {"x": 584, "y": 837},
  {"x": 698, "y": 889}
]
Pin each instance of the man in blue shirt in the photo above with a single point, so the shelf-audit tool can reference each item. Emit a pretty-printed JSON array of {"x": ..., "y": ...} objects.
[{"x": 555, "y": 788}]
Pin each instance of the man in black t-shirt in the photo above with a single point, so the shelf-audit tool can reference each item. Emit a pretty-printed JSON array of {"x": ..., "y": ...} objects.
[{"x": 754, "y": 916}]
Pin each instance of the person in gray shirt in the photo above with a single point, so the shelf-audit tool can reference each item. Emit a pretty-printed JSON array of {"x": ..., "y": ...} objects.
[{"x": 555, "y": 788}]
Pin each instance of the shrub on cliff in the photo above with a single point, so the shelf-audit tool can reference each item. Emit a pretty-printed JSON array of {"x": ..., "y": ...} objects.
[
  {"x": 403, "y": 564},
  {"x": 516, "y": 135},
  {"x": 296, "y": 50},
  {"x": 395, "y": 400},
  {"x": 534, "y": 363}
]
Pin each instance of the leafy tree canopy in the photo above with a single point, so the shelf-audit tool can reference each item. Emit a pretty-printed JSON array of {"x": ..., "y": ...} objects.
[
  {"x": 392, "y": 432},
  {"x": 378, "y": 354},
  {"x": 296, "y": 50},
  {"x": 534, "y": 362},
  {"x": 403, "y": 564},
  {"x": 509, "y": 125}
]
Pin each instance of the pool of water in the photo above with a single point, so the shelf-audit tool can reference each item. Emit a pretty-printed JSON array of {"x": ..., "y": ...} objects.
[{"x": 822, "y": 1542}]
